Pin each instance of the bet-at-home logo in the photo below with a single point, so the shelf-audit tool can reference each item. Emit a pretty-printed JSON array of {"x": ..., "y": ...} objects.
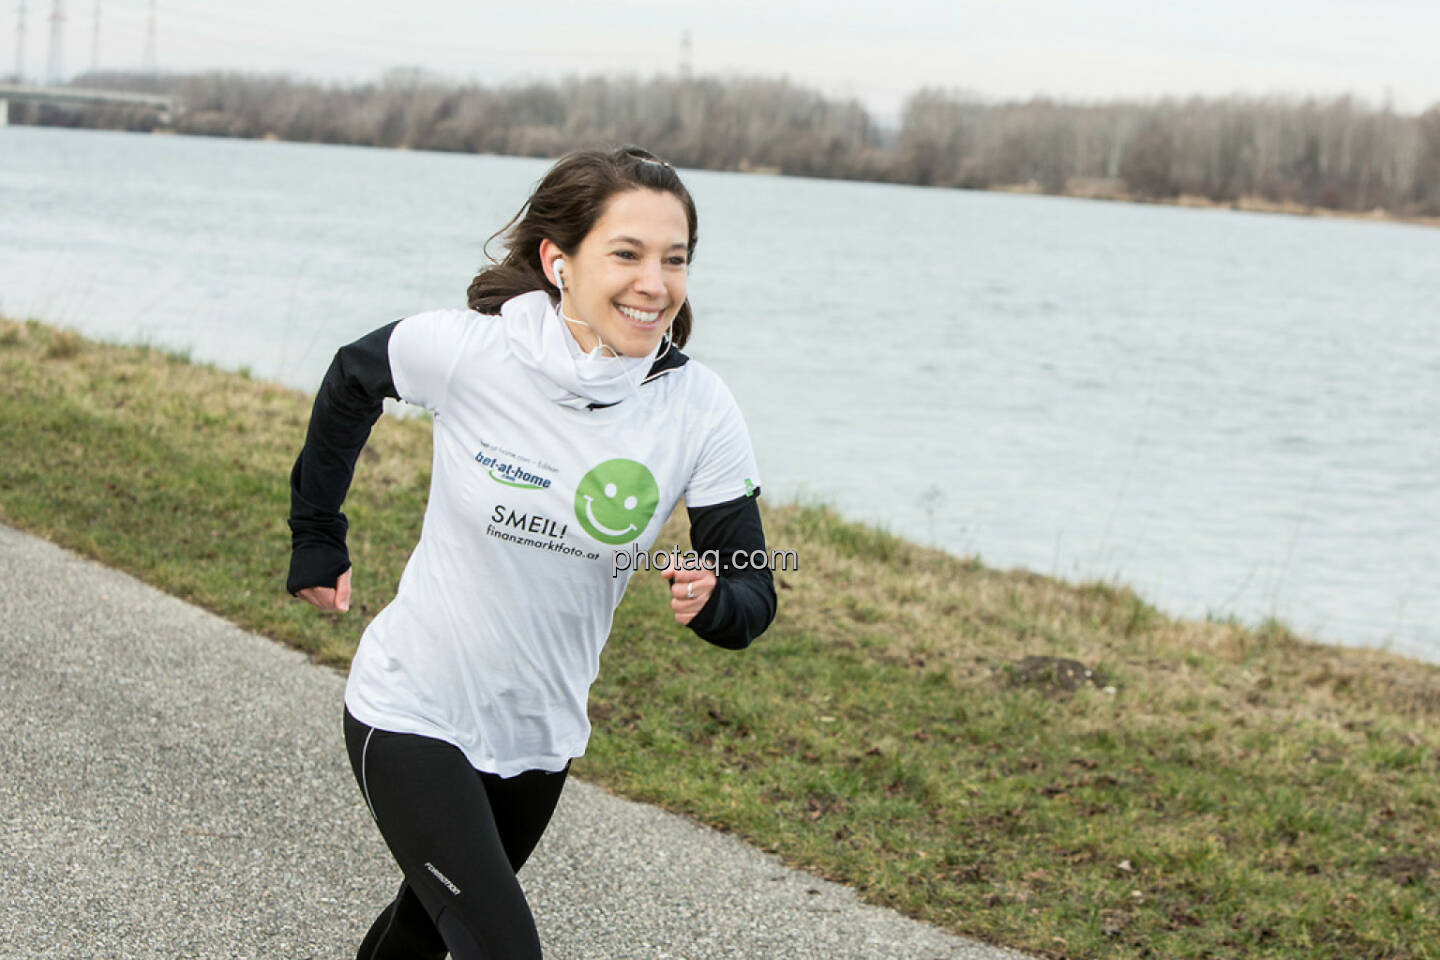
[
  {"x": 615, "y": 500},
  {"x": 511, "y": 474}
]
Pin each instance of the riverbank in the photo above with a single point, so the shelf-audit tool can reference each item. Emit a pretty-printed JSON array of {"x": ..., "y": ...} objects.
[
  {"x": 1156, "y": 787},
  {"x": 1239, "y": 153},
  {"x": 1113, "y": 190}
]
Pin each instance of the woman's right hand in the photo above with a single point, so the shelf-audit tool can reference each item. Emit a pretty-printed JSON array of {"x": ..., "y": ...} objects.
[{"x": 326, "y": 598}]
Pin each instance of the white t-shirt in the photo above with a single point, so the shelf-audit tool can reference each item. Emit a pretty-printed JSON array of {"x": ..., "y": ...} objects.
[{"x": 494, "y": 636}]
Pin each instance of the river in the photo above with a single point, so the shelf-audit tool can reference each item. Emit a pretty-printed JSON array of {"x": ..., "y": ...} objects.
[{"x": 1234, "y": 413}]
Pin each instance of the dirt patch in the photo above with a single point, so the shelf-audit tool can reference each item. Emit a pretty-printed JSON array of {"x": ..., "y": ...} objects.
[
  {"x": 1054, "y": 676},
  {"x": 1406, "y": 870}
]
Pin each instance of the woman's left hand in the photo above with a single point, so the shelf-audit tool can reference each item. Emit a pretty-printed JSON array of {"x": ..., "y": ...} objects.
[{"x": 689, "y": 591}]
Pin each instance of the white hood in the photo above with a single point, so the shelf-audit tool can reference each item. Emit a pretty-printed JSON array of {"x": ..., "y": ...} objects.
[{"x": 541, "y": 341}]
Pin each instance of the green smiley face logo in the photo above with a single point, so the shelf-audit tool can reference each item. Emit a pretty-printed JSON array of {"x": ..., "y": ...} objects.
[{"x": 615, "y": 501}]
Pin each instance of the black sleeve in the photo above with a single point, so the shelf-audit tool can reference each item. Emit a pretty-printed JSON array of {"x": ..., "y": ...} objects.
[
  {"x": 350, "y": 400},
  {"x": 743, "y": 603}
]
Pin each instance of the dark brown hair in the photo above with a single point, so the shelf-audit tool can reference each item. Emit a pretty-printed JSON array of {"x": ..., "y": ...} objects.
[{"x": 564, "y": 208}]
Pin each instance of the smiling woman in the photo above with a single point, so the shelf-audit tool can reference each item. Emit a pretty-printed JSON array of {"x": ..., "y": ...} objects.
[
  {"x": 630, "y": 286},
  {"x": 567, "y": 422}
]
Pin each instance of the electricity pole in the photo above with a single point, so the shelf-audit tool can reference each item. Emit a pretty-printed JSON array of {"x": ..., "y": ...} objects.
[
  {"x": 55, "y": 69},
  {"x": 20, "y": 45},
  {"x": 150, "y": 62}
]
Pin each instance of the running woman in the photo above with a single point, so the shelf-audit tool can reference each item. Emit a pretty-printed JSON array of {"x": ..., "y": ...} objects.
[{"x": 567, "y": 426}]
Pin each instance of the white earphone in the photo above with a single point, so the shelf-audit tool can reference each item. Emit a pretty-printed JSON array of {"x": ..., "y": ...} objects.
[{"x": 557, "y": 266}]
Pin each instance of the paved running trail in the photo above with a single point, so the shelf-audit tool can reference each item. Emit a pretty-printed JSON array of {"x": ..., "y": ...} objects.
[{"x": 176, "y": 787}]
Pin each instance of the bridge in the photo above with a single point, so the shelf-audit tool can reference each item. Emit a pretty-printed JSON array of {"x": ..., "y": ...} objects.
[{"x": 166, "y": 107}]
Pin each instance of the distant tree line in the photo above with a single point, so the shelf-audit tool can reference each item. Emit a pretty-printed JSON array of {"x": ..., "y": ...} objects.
[{"x": 1338, "y": 154}]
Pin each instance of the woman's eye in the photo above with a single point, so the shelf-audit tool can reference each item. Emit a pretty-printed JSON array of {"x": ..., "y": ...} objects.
[
  {"x": 677, "y": 261},
  {"x": 630, "y": 254}
]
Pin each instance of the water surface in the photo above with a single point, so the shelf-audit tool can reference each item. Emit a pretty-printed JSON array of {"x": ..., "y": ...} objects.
[{"x": 1234, "y": 413}]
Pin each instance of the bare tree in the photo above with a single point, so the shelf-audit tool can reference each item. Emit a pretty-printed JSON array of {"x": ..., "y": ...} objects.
[{"x": 1340, "y": 154}]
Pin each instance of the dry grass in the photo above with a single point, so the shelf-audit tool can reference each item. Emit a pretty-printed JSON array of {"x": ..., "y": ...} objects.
[{"x": 1207, "y": 790}]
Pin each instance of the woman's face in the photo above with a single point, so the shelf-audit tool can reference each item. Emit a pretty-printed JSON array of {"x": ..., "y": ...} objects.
[{"x": 627, "y": 279}]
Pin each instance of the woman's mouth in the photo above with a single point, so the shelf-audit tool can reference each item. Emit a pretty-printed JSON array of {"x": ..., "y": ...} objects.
[{"x": 639, "y": 316}]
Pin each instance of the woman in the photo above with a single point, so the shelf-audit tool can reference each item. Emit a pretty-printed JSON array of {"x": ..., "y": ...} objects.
[{"x": 567, "y": 426}]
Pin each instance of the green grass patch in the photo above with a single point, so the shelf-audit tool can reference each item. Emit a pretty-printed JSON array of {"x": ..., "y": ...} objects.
[{"x": 1059, "y": 768}]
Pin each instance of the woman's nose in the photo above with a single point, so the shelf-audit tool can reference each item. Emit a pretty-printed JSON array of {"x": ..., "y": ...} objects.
[{"x": 651, "y": 281}]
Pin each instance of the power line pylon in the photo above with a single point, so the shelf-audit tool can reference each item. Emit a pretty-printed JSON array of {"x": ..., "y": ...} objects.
[
  {"x": 685, "y": 54},
  {"x": 20, "y": 45},
  {"x": 55, "y": 68},
  {"x": 150, "y": 61}
]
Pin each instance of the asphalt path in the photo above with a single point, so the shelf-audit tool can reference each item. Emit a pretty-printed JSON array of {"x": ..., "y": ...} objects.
[{"x": 173, "y": 786}]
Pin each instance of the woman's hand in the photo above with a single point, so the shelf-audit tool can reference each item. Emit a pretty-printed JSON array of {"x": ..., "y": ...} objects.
[
  {"x": 689, "y": 590},
  {"x": 327, "y": 598}
]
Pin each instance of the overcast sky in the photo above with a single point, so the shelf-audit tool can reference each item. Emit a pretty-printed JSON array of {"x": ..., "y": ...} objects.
[{"x": 877, "y": 51}]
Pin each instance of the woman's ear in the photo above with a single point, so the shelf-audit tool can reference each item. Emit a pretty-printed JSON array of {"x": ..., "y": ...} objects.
[{"x": 550, "y": 252}]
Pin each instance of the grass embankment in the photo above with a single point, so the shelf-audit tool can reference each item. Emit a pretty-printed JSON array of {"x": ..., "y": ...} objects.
[
  {"x": 1081, "y": 188},
  {"x": 1209, "y": 791}
]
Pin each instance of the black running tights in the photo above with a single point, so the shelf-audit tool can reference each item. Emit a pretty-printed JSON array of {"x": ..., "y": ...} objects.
[{"x": 459, "y": 836}]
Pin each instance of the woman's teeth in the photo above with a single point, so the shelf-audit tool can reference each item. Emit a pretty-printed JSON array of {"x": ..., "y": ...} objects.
[{"x": 639, "y": 315}]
